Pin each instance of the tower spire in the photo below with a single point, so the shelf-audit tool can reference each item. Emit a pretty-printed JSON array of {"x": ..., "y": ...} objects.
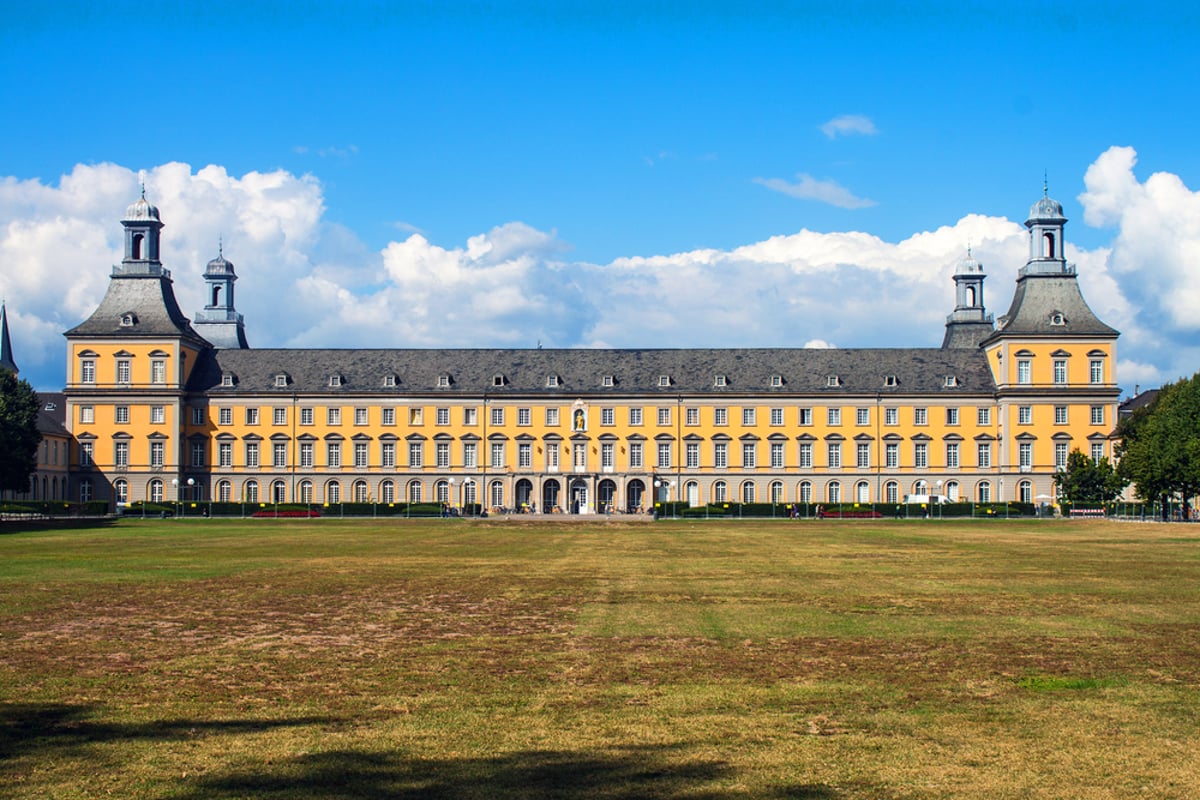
[{"x": 6, "y": 356}]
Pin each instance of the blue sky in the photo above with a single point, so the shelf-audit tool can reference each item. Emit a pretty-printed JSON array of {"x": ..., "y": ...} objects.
[{"x": 602, "y": 174}]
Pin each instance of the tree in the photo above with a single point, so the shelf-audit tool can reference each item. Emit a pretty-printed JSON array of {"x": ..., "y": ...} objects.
[
  {"x": 19, "y": 437},
  {"x": 1086, "y": 481},
  {"x": 1160, "y": 445}
]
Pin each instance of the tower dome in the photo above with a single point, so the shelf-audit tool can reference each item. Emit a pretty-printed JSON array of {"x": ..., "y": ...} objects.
[
  {"x": 968, "y": 265},
  {"x": 141, "y": 209},
  {"x": 218, "y": 267}
]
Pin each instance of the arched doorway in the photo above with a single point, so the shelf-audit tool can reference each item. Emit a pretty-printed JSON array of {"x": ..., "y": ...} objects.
[
  {"x": 550, "y": 492},
  {"x": 579, "y": 496},
  {"x": 606, "y": 495},
  {"x": 635, "y": 495},
  {"x": 524, "y": 493}
]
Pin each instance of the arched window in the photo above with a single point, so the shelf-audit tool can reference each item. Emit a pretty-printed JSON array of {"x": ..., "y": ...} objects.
[
  {"x": 720, "y": 492},
  {"x": 333, "y": 492},
  {"x": 279, "y": 492},
  {"x": 776, "y": 491},
  {"x": 920, "y": 487},
  {"x": 806, "y": 493},
  {"x": 414, "y": 491},
  {"x": 891, "y": 492},
  {"x": 862, "y": 492},
  {"x": 469, "y": 497},
  {"x": 1048, "y": 240},
  {"x": 224, "y": 491},
  {"x": 442, "y": 491},
  {"x": 361, "y": 495},
  {"x": 387, "y": 492},
  {"x": 135, "y": 247},
  {"x": 691, "y": 490},
  {"x": 984, "y": 492},
  {"x": 121, "y": 490},
  {"x": 748, "y": 492},
  {"x": 156, "y": 491},
  {"x": 952, "y": 491},
  {"x": 250, "y": 491},
  {"x": 970, "y": 296},
  {"x": 216, "y": 295},
  {"x": 306, "y": 491},
  {"x": 833, "y": 492},
  {"x": 85, "y": 491},
  {"x": 1025, "y": 491},
  {"x": 497, "y": 494}
]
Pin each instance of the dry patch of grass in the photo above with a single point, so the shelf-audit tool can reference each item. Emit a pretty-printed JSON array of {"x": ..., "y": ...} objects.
[{"x": 614, "y": 660}]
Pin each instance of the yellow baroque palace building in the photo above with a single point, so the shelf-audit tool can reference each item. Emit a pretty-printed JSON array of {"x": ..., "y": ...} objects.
[{"x": 164, "y": 408}]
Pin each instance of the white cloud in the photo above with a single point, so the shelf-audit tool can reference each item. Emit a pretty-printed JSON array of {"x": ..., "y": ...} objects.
[
  {"x": 809, "y": 188},
  {"x": 306, "y": 282},
  {"x": 849, "y": 124}
]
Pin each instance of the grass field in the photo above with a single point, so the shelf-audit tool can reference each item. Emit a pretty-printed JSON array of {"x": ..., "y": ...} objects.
[{"x": 475, "y": 659}]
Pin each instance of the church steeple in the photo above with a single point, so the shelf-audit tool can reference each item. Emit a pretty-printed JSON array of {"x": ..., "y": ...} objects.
[
  {"x": 969, "y": 324},
  {"x": 6, "y": 356},
  {"x": 219, "y": 322}
]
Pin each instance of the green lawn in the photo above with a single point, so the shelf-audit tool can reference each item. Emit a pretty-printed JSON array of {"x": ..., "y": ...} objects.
[{"x": 501, "y": 659}]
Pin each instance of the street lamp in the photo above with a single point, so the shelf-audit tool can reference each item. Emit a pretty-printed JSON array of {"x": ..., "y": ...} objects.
[
  {"x": 450, "y": 496},
  {"x": 191, "y": 491},
  {"x": 175, "y": 484}
]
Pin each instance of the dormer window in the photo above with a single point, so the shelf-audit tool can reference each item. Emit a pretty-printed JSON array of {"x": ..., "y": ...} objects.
[
  {"x": 389, "y": 381},
  {"x": 551, "y": 381},
  {"x": 128, "y": 319},
  {"x": 497, "y": 380},
  {"x": 889, "y": 380},
  {"x": 443, "y": 381},
  {"x": 606, "y": 381},
  {"x": 776, "y": 381},
  {"x": 951, "y": 382},
  {"x": 664, "y": 380},
  {"x": 1057, "y": 319},
  {"x": 335, "y": 380},
  {"x": 281, "y": 380},
  {"x": 832, "y": 380},
  {"x": 719, "y": 380},
  {"x": 227, "y": 380}
]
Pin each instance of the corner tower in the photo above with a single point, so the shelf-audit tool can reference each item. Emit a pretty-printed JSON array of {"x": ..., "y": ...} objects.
[
  {"x": 219, "y": 322},
  {"x": 970, "y": 323}
]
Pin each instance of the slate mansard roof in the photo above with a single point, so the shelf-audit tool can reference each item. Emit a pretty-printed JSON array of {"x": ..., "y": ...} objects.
[
  {"x": 568, "y": 372},
  {"x": 151, "y": 301},
  {"x": 1050, "y": 305}
]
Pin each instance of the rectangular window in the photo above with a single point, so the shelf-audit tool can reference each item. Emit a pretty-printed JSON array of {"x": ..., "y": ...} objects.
[
  {"x": 497, "y": 454},
  {"x": 1024, "y": 415},
  {"x": 470, "y": 455},
  {"x": 87, "y": 371},
  {"x": 1060, "y": 455},
  {"x": 551, "y": 417},
  {"x": 497, "y": 416},
  {"x": 806, "y": 456},
  {"x": 333, "y": 416},
  {"x": 442, "y": 454},
  {"x": 920, "y": 455},
  {"x": 1097, "y": 451},
  {"x": 1025, "y": 455},
  {"x": 121, "y": 415},
  {"x": 333, "y": 454},
  {"x": 123, "y": 370},
  {"x": 156, "y": 454},
  {"x": 983, "y": 454},
  {"x": 441, "y": 416},
  {"x": 952, "y": 455},
  {"x": 1023, "y": 371},
  {"x": 720, "y": 455},
  {"x": 951, "y": 416},
  {"x": 777, "y": 455},
  {"x": 198, "y": 454},
  {"x": 747, "y": 417},
  {"x": 158, "y": 415},
  {"x": 387, "y": 416},
  {"x": 891, "y": 454},
  {"x": 862, "y": 455},
  {"x": 664, "y": 455},
  {"x": 251, "y": 454},
  {"x": 635, "y": 416},
  {"x": 635, "y": 455},
  {"x": 579, "y": 456},
  {"x": 833, "y": 452},
  {"x": 280, "y": 455},
  {"x": 306, "y": 416},
  {"x": 525, "y": 455},
  {"x": 983, "y": 417},
  {"x": 692, "y": 416},
  {"x": 1097, "y": 415},
  {"x": 416, "y": 454},
  {"x": 416, "y": 416},
  {"x": 158, "y": 371},
  {"x": 1060, "y": 370},
  {"x": 720, "y": 416},
  {"x": 360, "y": 455},
  {"x": 1060, "y": 415},
  {"x": 279, "y": 416},
  {"x": 251, "y": 416},
  {"x": 833, "y": 416},
  {"x": 524, "y": 417},
  {"x": 121, "y": 454},
  {"x": 225, "y": 454},
  {"x": 776, "y": 416},
  {"x": 470, "y": 416},
  {"x": 891, "y": 416},
  {"x": 360, "y": 416},
  {"x": 664, "y": 417},
  {"x": 806, "y": 416},
  {"x": 693, "y": 455},
  {"x": 862, "y": 416},
  {"x": 1096, "y": 371},
  {"x": 749, "y": 455},
  {"x": 920, "y": 416},
  {"x": 197, "y": 415},
  {"x": 607, "y": 455},
  {"x": 306, "y": 455}
]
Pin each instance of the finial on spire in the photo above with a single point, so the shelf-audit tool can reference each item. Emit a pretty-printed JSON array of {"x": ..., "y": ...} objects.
[
  {"x": 220, "y": 246},
  {"x": 1045, "y": 183}
]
